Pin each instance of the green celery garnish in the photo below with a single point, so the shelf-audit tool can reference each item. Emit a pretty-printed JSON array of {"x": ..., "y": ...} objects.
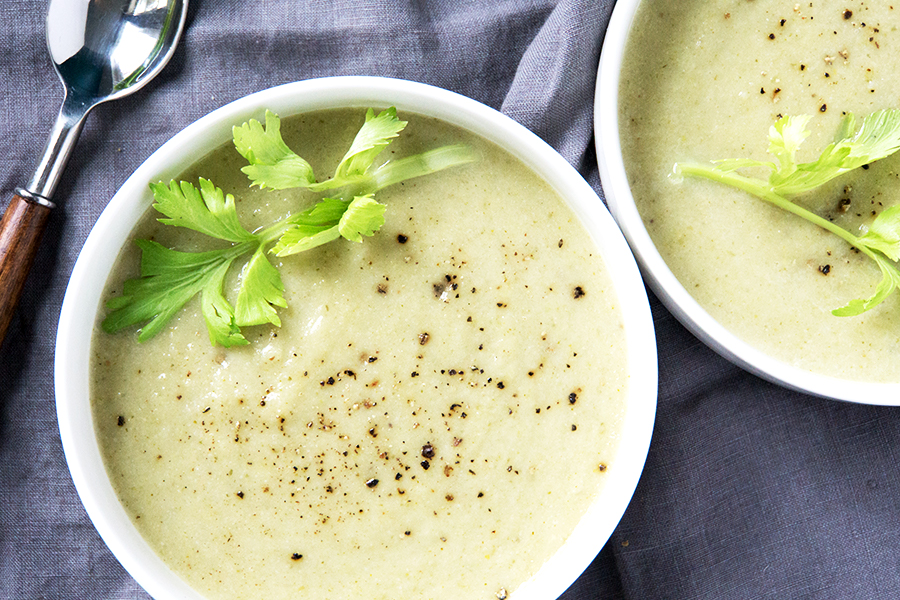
[
  {"x": 877, "y": 138},
  {"x": 170, "y": 278}
]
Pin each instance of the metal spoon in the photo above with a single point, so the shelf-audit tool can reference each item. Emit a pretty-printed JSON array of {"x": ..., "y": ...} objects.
[{"x": 101, "y": 50}]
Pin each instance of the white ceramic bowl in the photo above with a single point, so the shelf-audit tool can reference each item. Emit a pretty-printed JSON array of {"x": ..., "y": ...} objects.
[
  {"x": 115, "y": 223},
  {"x": 658, "y": 275}
]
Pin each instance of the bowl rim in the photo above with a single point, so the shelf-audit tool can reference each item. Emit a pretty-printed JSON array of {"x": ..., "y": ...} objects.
[
  {"x": 113, "y": 228},
  {"x": 657, "y": 274}
]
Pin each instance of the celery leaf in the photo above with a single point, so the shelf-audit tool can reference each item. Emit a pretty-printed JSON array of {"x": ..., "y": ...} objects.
[
  {"x": 890, "y": 281},
  {"x": 785, "y": 137},
  {"x": 877, "y": 137},
  {"x": 313, "y": 227},
  {"x": 364, "y": 216},
  {"x": 207, "y": 210},
  {"x": 304, "y": 237},
  {"x": 375, "y": 134},
  {"x": 884, "y": 233},
  {"x": 217, "y": 312},
  {"x": 260, "y": 292},
  {"x": 169, "y": 279},
  {"x": 272, "y": 163},
  {"x": 328, "y": 220}
]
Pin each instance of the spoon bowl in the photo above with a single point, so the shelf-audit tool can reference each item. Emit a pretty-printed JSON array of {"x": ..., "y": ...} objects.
[
  {"x": 102, "y": 50},
  {"x": 115, "y": 48}
]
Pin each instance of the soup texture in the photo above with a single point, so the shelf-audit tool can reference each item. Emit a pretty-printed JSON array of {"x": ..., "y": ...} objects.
[
  {"x": 719, "y": 75},
  {"x": 439, "y": 407}
]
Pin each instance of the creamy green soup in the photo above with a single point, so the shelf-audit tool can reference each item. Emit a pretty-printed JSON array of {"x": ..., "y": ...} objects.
[
  {"x": 703, "y": 81},
  {"x": 437, "y": 411}
]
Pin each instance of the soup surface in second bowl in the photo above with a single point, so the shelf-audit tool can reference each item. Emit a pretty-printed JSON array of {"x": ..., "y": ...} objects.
[{"x": 718, "y": 76}]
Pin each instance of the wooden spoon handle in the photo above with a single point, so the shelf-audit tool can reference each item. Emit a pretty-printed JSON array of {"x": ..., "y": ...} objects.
[{"x": 21, "y": 230}]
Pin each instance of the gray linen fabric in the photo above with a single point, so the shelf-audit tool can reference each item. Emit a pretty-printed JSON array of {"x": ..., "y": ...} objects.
[{"x": 750, "y": 491}]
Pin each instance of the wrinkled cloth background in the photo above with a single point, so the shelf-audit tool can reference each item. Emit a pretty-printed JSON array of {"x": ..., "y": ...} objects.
[{"x": 750, "y": 491}]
